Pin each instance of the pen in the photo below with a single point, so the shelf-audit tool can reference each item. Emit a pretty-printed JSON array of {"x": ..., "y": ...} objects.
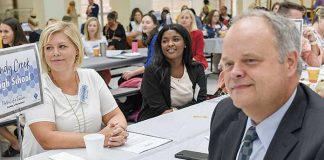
[{"x": 200, "y": 116}]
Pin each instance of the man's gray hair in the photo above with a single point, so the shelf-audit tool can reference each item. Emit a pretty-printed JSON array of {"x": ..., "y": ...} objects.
[{"x": 287, "y": 36}]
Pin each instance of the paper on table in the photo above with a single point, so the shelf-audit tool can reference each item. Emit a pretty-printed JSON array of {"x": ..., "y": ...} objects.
[
  {"x": 115, "y": 54},
  {"x": 138, "y": 143},
  {"x": 135, "y": 54},
  {"x": 64, "y": 156}
]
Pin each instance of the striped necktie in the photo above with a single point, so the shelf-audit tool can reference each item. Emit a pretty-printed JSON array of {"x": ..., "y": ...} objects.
[{"x": 247, "y": 146}]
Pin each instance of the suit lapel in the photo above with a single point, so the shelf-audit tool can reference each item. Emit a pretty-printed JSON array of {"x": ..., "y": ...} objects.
[
  {"x": 233, "y": 137},
  {"x": 284, "y": 139}
]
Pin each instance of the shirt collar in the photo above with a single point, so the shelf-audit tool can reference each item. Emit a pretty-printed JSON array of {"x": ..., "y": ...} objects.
[{"x": 268, "y": 127}]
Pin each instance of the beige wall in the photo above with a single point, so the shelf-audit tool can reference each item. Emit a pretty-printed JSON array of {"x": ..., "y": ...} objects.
[
  {"x": 123, "y": 8},
  {"x": 46, "y": 9}
]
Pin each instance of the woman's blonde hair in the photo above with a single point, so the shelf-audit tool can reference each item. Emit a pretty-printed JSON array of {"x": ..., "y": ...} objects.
[
  {"x": 86, "y": 32},
  {"x": 71, "y": 7},
  {"x": 319, "y": 12},
  {"x": 192, "y": 16},
  {"x": 70, "y": 31}
]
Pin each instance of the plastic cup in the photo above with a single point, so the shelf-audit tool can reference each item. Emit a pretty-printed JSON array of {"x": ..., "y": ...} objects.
[
  {"x": 96, "y": 52},
  {"x": 134, "y": 46},
  {"x": 313, "y": 73},
  {"x": 94, "y": 145}
]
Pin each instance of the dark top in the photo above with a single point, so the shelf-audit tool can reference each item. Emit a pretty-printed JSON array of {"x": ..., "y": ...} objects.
[
  {"x": 226, "y": 22},
  {"x": 150, "y": 51},
  {"x": 119, "y": 32},
  {"x": 213, "y": 32},
  {"x": 94, "y": 10},
  {"x": 300, "y": 134},
  {"x": 34, "y": 36},
  {"x": 156, "y": 95},
  {"x": 82, "y": 28}
]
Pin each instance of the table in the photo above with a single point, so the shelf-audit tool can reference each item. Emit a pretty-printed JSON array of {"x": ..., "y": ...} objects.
[
  {"x": 104, "y": 63},
  {"x": 187, "y": 128},
  {"x": 213, "y": 45}
]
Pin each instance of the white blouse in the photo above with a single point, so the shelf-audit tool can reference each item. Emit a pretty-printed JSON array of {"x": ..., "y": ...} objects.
[{"x": 181, "y": 90}]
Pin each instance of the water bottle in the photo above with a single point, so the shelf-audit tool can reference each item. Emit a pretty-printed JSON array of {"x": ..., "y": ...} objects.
[
  {"x": 134, "y": 46},
  {"x": 168, "y": 19},
  {"x": 103, "y": 48}
]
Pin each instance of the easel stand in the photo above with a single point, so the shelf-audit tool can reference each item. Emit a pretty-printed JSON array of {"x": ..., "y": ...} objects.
[{"x": 19, "y": 119}]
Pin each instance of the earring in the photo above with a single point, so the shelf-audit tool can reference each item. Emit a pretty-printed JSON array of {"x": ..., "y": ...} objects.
[
  {"x": 185, "y": 46},
  {"x": 76, "y": 58}
]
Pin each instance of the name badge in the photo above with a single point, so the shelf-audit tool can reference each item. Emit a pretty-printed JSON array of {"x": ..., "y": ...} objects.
[{"x": 84, "y": 93}]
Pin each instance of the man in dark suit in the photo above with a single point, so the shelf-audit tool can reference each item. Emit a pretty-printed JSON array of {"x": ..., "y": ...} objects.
[{"x": 269, "y": 114}]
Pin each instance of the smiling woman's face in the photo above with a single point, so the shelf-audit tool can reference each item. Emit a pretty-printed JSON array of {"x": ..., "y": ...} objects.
[
  {"x": 60, "y": 53},
  {"x": 7, "y": 34},
  {"x": 172, "y": 45}
]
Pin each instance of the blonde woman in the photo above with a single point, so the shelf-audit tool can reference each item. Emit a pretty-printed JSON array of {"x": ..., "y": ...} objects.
[
  {"x": 71, "y": 11},
  {"x": 92, "y": 35},
  {"x": 76, "y": 101},
  {"x": 319, "y": 28},
  {"x": 314, "y": 41},
  {"x": 187, "y": 20}
]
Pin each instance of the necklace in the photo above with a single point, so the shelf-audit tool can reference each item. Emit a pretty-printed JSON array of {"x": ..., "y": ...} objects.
[{"x": 74, "y": 111}]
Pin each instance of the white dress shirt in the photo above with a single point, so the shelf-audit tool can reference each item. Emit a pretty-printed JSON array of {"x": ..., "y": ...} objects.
[{"x": 266, "y": 130}]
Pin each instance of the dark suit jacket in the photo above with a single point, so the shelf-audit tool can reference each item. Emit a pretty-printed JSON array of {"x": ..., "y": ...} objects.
[
  {"x": 156, "y": 95},
  {"x": 300, "y": 134}
]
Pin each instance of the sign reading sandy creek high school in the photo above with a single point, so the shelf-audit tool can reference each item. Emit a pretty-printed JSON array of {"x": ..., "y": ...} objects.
[{"x": 20, "y": 79}]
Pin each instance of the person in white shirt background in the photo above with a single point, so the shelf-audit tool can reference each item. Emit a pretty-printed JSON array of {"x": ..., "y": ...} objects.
[{"x": 92, "y": 36}]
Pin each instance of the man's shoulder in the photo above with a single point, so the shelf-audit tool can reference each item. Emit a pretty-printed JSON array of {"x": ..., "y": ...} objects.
[
  {"x": 226, "y": 105},
  {"x": 313, "y": 101},
  {"x": 314, "y": 106},
  {"x": 225, "y": 112}
]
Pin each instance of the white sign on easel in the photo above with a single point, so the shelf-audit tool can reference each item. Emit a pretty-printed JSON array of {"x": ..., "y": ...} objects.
[
  {"x": 20, "y": 79},
  {"x": 299, "y": 25}
]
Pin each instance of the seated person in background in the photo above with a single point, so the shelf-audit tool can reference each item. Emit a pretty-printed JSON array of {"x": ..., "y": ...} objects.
[
  {"x": 214, "y": 27},
  {"x": 197, "y": 19},
  {"x": 225, "y": 18},
  {"x": 204, "y": 13},
  {"x": 92, "y": 39},
  {"x": 317, "y": 30},
  {"x": 71, "y": 11},
  {"x": 76, "y": 101},
  {"x": 115, "y": 33},
  {"x": 92, "y": 35},
  {"x": 165, "y": 19},
  {"x": 311, "y": 53},
  {"x": 269, "y": 114},
  {"x": 173, "y": 81},
  {"x": 135, "y": 27},
  {"x": 150, "y": 31},
  {"x": 187, "y": 20},
  {"x": 275, "y": 7},
  {"x": 12, "y": 35},
  {"x": 33, "y": 24}
]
